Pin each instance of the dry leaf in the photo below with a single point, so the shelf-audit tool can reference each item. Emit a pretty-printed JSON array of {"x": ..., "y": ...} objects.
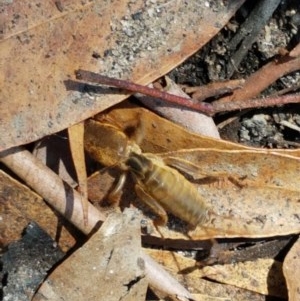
[
  {"x": 263, "y": 276},
  {"x": 291, "y": 271},
  {"x": 249, "y": 192},
  {"x": 183, "y": 268},
  {"x": 200, "y": 297},
  {"x": 44, "y": 42},
  {"x": 76, "y": 133},
  {"x": 193, "y": 121},
  {"x": 107, "y": 267},
  {"x": 161, "y": 135},
  {"x": 20, "y": 206},
  {"x": 253, "y": 167}
]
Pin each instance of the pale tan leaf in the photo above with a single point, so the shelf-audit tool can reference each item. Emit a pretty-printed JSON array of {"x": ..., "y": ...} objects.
[
  {"x": 251, "y": 168},
  {"x": 200, "y": 297},
  {"x": 107, "y": 267},
  {"x": 263, "y": 276},
  {"x": 161, "y": 135},
  {"x": 184, "y": 269},
  {"x": 291, "y": 271},
  {"x": 76, "y": 134}
]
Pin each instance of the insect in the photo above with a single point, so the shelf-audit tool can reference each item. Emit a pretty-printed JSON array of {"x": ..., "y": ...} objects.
[{"x": 158, "y": 185}]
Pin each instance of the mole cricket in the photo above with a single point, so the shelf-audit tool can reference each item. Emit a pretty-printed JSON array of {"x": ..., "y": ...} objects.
[{"x": 160, "y": 186}]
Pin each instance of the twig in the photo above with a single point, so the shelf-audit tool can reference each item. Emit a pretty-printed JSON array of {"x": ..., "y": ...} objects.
[
  {"x": 249, "y": 31},
  {"x": 57, "y": 193},
  {"x": 265, "y": 76},
  {"x": 240, "y": 98},
  {"x": 129, "y": 86},
  {"x": 214, "y": 89},
  {"x": 255, "y": 103},
  {"x": 290, "y": 125}
]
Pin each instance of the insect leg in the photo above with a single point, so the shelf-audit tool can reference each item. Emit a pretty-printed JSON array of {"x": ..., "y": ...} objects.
[
  {"x": 114, "y": 195},
  {"x": 153, "y": 205},
  {"x": 185, "y": 166},
  {"x": 195, "y": 171},
  {"x": 134, "y": 127}
]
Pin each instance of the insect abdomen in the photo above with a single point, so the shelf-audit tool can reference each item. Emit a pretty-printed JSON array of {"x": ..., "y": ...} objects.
[{"x": 175, "y": 193}]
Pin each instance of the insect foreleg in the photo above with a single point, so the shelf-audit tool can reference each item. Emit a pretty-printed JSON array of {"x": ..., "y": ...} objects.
[{"x": 114, "y": 195}]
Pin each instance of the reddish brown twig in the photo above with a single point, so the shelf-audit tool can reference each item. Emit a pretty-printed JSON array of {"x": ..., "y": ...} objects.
[
  {"x": 255, "y": 103},
  {"x": 265, "y": 76},
  {"x": 129, "y": 86},
  {"x": 209, "y": 109}
]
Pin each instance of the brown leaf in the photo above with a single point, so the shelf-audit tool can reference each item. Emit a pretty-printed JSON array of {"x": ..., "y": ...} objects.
[
  {"x": 161, "y": 135},
  {"x": 44, "y": 42},
  {"x": 20, "y": 205},
  {"x": 253, "y": 167}
]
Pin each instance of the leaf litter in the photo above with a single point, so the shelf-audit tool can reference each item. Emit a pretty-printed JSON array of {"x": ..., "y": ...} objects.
[{"x": 234, "y": 186}]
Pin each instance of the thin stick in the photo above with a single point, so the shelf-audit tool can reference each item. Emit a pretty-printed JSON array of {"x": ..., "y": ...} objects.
[
  {"x": 221, "y": 106},
  {"x": 129, "y": 86},
  {"x": 209, "y": 109}
]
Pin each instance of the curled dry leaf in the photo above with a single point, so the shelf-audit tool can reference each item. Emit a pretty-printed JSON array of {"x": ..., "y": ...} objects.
[
  {"x": 159, "y": 135},
  {"x": 76, "y": 134},
  {"x": 291, "y": 271},
  {"x": 43, "y": 43},
  {"x": 47, "y": 184},
  {"x": 247, "y": 192},
  {"x": 193, "y": 121}
]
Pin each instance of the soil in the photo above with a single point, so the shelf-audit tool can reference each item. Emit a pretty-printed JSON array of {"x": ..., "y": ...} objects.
[{"x": 277, "y": 127}]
